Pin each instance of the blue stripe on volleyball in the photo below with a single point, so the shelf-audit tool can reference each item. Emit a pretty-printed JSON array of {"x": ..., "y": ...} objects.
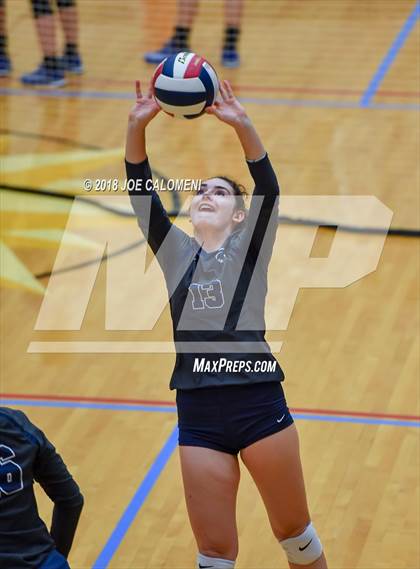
[
  {"x": 168, "y": 66},
  {"x": 179, "y": 98},
  {"x": 208, "y": 85}
]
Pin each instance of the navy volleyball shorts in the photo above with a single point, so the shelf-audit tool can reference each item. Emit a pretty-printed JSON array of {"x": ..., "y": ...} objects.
[
  {"x": 231, "y": 417},
  {"x": 55, "y": 561}
]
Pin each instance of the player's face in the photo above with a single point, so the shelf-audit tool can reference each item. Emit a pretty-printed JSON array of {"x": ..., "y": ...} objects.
[{"x": 215, "y": 205}]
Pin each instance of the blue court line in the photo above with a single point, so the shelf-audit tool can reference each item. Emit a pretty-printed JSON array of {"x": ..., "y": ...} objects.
[
  {"x": 388, "y": 60},
  {"x": 393, "y": 106},
  {"x": 305, "y": 103},
  {"x": 65, "y": 94},
  {"x": 90, "y": 405},
  {"x": 362, "y": 420},
  {"x": 170, "y": 409},
  {"x": 136, "y": 502}
]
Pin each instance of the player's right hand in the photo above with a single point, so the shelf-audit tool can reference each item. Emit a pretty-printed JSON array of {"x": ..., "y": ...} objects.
[{"x": 145, "y": 108}]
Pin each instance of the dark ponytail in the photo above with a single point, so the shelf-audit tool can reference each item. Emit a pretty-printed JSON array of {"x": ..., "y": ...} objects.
[
  {"x": 238, "y": 190},
  {"x": 240, "y": 193}
]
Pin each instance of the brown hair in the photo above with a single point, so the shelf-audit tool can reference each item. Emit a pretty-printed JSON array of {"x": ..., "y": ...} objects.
[{"x": 238, "y": 190}]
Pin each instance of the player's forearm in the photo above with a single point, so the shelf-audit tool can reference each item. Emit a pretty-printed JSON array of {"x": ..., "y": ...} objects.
[
  {"x": 135, "y": 149},
  {"x": 265, "y": 180},
  {"x": 249, "y": 139},
  {"x": 63, "y": 526}
]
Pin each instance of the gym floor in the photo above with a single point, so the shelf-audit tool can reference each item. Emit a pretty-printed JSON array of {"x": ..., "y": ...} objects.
[{"x": 333, "y": 88}]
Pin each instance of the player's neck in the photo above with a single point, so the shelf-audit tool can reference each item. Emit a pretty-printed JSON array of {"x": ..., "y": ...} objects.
[{"x": 210, "y": 239}]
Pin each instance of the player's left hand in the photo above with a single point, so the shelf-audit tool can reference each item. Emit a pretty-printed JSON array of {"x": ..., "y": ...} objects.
[{"x": 226, "y": 107}]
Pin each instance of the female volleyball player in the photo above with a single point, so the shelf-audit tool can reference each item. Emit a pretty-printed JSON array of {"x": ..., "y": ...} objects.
[{"x": 229, "y": 396}]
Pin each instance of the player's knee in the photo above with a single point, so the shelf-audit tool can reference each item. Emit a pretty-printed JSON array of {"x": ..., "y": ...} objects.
[
  {"x": 41, "y": 8},
  {"x": 287, "y": 530},
  {"x": 225, "y": 549},
  {"x": 304, "y": 548},
  {"x": 214, "y": 562}
]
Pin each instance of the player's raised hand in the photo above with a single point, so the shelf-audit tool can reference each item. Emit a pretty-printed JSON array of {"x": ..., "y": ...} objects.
[
  {"x": 145, "y": 108},
  {"x": 226, "y": 107}
]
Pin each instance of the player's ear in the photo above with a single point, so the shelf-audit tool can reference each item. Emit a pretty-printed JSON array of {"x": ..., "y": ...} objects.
[{"x": 238, "y": 216}]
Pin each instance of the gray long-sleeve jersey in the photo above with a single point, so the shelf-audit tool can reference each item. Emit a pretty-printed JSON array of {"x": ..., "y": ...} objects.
[{"x": 217, "y": 299}]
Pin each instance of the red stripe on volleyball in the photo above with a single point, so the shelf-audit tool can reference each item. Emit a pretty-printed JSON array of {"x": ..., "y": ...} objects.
[
  {"x": 194, "y": 67},
  {"x": 157, "y": 73}
]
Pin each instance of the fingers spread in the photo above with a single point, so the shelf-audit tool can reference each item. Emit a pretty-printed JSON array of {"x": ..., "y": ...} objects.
[
  {"x": 228, "y": 88},
  {"x": 138, "y": 90},
  {"x": 150, "y": 90},
  {"x": 223, "y": 92}
]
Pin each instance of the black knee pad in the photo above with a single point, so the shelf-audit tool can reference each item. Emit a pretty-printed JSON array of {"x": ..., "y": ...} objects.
[
  {"x": 65, "y": 3},
  {"x": 41, "y": 8}
]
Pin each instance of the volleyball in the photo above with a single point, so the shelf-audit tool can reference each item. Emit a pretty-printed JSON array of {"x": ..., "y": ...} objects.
[{"x": 185, "y": 84}]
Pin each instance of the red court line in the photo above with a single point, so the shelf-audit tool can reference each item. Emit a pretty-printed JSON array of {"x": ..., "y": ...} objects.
[
  {"x": 172, "y": 404},
  {"x": 274, "y": 89}
]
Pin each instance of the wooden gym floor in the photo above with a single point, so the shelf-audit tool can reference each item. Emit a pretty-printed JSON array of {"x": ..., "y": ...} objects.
[{"x": 333, "y": 88}]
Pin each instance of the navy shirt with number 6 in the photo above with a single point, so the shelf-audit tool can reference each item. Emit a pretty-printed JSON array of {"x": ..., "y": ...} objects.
[
  {"x": 217, "y": 299},
  {"x": 26, "y": 455}
]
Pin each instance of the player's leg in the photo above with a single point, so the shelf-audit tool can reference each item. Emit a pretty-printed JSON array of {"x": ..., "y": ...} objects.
[
  {"x": 71, "y": 59},
  {"x": 186, "y": 13},
  {"x": 45, "y": 26},
  {"x": 233, "y": 17},
  {"x": 5, "y": 63},
  {"x": 211, "y": 480},
  {"x": 180, "y": 40},
  {"x": 274, "y": 464},
  {"x": 50, "y": 71}
]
